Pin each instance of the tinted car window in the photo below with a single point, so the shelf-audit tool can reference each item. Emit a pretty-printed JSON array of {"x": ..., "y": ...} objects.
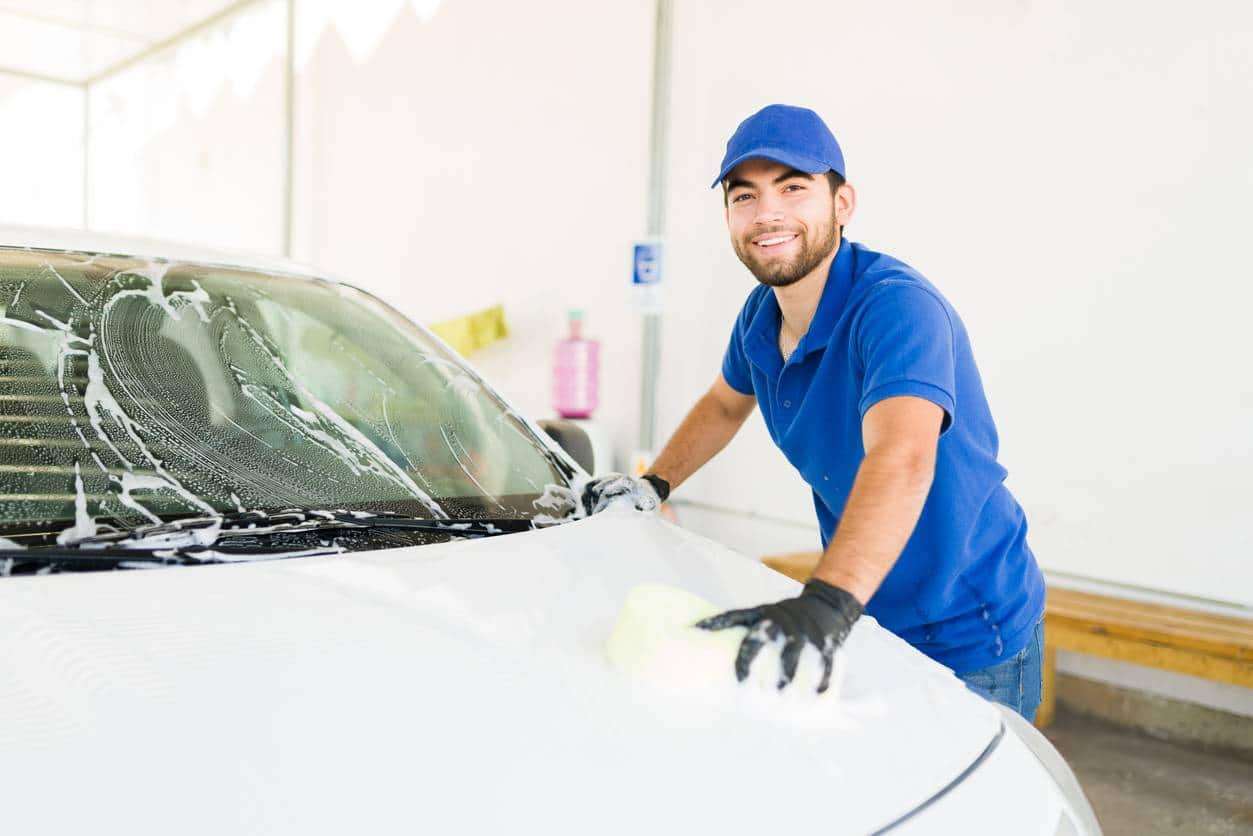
[{"x": 133, "y": 392}]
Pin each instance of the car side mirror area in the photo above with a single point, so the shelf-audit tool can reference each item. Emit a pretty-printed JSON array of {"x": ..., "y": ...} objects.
[{"x": 571, "y": 438}]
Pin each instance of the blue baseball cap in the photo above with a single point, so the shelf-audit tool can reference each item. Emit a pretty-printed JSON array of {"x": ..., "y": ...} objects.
[{"x": 793, "y": 136}]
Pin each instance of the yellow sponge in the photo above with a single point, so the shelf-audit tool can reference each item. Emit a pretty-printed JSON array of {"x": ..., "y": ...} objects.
[{"x": 655, "y": 640}]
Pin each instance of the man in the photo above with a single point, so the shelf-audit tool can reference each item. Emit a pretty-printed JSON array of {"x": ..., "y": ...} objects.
[{"x": 866, "y": 381}]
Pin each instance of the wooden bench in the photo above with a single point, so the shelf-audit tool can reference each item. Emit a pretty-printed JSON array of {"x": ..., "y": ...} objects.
[{"x": 1215, "y": 647}]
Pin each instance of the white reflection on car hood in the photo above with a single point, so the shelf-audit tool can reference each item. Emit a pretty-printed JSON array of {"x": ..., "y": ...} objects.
[{"x": 456, "y": 686}]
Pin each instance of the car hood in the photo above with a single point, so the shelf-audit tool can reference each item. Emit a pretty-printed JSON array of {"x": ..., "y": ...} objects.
[{"x": 453, "y": 687}]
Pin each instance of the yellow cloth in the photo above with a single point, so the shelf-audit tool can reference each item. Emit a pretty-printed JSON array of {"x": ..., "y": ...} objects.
[{"x": 473, "y": 331}]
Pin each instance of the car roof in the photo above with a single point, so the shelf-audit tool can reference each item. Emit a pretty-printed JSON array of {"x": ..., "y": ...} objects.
[{"x": 78, "y": 240}]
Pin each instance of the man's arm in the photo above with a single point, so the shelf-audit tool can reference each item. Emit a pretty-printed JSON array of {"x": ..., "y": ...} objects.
[
  {"x": 900, "y": 435},
  {"x": 709, "y": 425}
]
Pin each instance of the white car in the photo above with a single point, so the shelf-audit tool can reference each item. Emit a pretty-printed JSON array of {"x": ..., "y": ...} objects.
[{"x": 276, "y": 560}]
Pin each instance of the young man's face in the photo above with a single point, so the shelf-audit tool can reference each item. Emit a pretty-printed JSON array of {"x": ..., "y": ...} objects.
[{"x": 783, "y": 222}]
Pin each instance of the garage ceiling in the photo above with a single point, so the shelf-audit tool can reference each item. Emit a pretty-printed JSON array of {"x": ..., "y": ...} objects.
[{"x": 79, "y": 41}]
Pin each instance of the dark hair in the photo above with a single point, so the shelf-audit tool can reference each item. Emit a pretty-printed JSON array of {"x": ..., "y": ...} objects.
[{"x": 834, "y": 180}]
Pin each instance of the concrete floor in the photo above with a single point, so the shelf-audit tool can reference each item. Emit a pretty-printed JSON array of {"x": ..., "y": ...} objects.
[{"x": 1141, "y": 786}]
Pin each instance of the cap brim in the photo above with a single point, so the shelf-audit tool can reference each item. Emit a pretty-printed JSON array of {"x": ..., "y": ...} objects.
[{"x": 779, "y": 155}]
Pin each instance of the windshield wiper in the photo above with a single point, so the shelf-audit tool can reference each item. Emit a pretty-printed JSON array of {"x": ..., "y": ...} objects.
[
  {"x": 233, "y": 538},
  {"x": 260, "y": 523},
  {"x": 74, "y": 558},
  {"x": 190, "y": 535}
]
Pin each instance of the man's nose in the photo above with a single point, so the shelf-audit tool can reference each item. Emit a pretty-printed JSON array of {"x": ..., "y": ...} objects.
[{"x": 769, "y": 210}]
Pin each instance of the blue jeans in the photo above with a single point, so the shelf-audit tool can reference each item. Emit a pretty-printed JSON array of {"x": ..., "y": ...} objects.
[{"x": 1016, "y": 681}]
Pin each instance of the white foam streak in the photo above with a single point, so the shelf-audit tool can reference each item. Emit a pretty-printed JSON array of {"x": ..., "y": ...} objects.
[
  {"x": 458, "y": 451},
  {"x": 131, "y": 482},
  {"x": 24, "y": 325},
  {"x": 375, "y": 459},
  {"x": 84, "y": 525},
  {"x": 68, "y": 286}
]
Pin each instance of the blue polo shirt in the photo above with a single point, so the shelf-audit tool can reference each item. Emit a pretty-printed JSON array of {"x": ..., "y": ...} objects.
[{"x": 966, "y": 589}]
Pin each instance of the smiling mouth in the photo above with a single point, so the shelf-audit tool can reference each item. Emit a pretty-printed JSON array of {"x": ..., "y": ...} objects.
[{"x": 773, "y": 242}]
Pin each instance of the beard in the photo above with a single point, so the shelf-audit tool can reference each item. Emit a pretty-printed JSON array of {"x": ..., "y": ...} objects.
[{"x": 781, "y": 272}]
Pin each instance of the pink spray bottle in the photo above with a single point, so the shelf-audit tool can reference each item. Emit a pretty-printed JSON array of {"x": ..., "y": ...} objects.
[{"x": 576, "y": 371}]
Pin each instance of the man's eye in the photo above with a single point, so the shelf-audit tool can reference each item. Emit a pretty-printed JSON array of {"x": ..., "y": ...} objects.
[
  {"x": 740, "y": 197},
  {"x": 792, "y": 186}
]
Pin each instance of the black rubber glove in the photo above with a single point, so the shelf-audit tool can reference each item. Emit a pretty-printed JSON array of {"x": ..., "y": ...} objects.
[
  {"x": 821, "y": 615},
  {"x": 646, "y": 493}
]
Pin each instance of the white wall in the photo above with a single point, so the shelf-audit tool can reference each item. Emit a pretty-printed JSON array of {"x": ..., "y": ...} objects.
[
  {"x": 447, "y": 155},
  {"x": 1076, "y": 177},
  {"x": 189, "y": 144},
  {"x": 41, "y": 152},
  {"x": 491, "y": 152}
]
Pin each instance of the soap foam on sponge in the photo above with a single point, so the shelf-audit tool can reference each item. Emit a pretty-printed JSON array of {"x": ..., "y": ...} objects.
[{"x": 655, "y": 640}]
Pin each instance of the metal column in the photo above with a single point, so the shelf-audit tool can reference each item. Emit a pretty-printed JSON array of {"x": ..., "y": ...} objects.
[
  {"x": 651, "y": 338},
  {"x": 289, "y": 125}
]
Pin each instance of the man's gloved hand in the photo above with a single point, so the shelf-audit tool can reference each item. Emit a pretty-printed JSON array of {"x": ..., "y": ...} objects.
[
  {"x": 821, "y": 615},
  {"x": 646, "y": 493}
]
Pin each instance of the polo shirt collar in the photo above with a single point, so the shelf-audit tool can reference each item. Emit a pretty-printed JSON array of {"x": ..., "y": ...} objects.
[
  {"x": 831, "y": 305},
  {"x": 761, "y": 342}
]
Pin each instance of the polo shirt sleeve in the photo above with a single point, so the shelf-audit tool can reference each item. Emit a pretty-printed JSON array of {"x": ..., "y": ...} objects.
[
  {"x": 735, "y": 369},
  {"x": 906, "y": 345}
]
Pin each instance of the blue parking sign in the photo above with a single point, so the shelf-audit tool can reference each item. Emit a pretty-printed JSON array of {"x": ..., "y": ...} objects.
[{"x": 647, "y": 263}]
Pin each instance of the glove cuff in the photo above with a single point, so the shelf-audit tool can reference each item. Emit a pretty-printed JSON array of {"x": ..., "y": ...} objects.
[
  {"x": 838, "y": 599},
  {"x": 661, "y": 486}
]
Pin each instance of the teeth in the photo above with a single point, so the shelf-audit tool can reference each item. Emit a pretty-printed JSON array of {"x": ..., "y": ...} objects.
[{"x": 767, "y": 242}]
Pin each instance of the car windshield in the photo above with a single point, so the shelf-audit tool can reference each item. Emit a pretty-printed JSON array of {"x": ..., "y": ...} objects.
[{"x": 136, "y": 392}]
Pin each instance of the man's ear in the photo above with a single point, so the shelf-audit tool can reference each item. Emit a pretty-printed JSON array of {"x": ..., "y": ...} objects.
[{"x": 845, "y": 203}]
